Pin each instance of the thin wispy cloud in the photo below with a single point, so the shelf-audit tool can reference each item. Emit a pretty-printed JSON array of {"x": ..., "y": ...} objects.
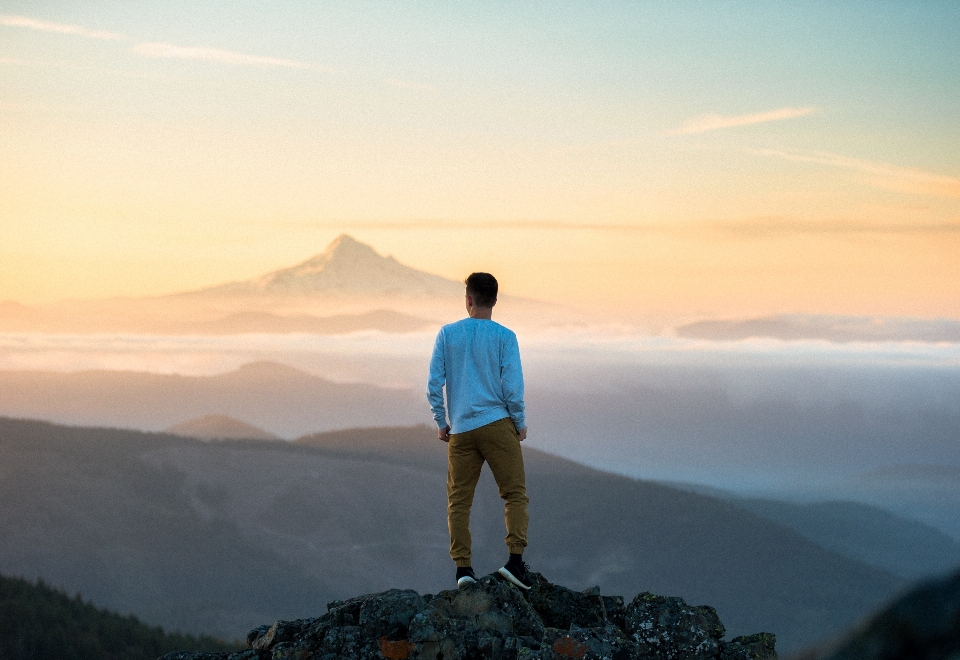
[
  {"x": 711, "y": 122},
  {"x": 406, "y": 84},
  {"x": 172, "y": 51},
  {"x": 467, "y": 225},
  {"x": 159, "y": 49},
  {"x": 882, "y": 175},
  {"x": 776, "y": 226},
  {"x": 766, "y": 226},
  {"x": 61, "y": 28}
]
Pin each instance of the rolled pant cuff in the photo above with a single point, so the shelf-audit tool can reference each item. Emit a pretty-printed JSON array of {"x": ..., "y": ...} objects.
[
  {"x": 515, "y": 549},
  {"x": 463, "y": 563}
]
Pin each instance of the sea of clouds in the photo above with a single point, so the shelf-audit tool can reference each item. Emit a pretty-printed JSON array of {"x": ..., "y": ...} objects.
[{"x": 762, "y": 414}]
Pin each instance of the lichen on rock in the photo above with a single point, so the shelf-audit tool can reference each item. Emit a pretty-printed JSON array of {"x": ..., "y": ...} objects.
[
  {"x": 668, "y": 628},
  {"x": 494, "y": 620}
]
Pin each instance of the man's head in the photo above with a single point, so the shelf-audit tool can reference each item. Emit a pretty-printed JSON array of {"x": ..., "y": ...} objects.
[{"x": 482, "y": 287}]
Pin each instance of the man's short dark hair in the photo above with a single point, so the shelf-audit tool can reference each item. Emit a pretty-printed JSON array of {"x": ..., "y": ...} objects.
[{"x": 482, "y": 287}]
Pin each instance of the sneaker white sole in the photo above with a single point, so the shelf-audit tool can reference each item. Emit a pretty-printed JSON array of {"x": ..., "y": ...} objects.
[
  {"x": 464, "y": 581},
  {"x": 507, "y": 574}
]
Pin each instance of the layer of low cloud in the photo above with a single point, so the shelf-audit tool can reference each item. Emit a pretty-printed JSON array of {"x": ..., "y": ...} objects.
[
  {"x": 711, "y": 122},
  {"x": 172, "y": 51},
  {"x": 366, "y": 354},
  {"x": 883, "y": 175},
  {"x": 61, "y": 28}
]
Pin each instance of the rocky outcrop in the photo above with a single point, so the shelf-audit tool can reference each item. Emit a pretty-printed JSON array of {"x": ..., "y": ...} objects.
[{"x": 493, "y": 620}]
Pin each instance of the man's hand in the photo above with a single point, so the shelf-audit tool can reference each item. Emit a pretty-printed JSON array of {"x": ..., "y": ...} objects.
[
  {"x": 444, "y": 433},
  {"x": 523, "y": 434}
]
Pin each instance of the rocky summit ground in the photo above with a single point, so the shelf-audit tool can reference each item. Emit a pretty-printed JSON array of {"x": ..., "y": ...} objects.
[{"x": 494, "y": 620}]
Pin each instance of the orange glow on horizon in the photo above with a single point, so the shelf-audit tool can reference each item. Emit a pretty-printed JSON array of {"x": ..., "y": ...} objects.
[{"x": 667, "y": 170}]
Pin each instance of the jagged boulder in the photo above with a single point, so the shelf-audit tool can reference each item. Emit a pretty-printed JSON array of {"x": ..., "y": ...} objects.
[
  {"x": 668, "y": 628},
  {"x": 749, "y": 647},
  {"x": 561, "y": 608},
  {"x": 606, "y": 642},
  {"x": 493, "y": 620}
]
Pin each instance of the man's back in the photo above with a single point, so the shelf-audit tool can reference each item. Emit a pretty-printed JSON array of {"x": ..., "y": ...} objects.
[{"x": 479, "y": 362}]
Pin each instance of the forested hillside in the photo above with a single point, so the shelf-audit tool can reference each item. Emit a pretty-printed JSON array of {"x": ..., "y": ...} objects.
[{"x": 38, "y": 622}]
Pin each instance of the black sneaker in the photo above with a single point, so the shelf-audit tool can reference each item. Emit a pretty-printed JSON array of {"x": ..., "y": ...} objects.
[
  {"x": 465, "y": 576},
  {"x": 518, "y": 573}
]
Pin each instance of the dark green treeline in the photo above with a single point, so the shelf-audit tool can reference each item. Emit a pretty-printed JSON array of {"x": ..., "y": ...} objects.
[{"x": 41, "y": 623}]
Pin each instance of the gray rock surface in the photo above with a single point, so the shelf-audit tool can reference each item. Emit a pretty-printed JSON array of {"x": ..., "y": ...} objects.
[
  {"x": 494, "y": 620},
  {"x": 693, "y": 632}
]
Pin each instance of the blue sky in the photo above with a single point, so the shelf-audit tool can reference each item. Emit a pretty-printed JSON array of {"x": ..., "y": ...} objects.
[{"x": 231, "y": 138}]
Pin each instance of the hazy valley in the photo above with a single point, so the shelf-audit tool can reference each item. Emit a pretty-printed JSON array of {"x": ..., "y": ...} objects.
[
  {"x": 219, "y": 536},
  {"x": 883, "y": 437}
]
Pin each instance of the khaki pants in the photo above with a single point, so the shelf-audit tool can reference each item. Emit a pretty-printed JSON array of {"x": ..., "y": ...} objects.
[{"x": 497, "y": 443}]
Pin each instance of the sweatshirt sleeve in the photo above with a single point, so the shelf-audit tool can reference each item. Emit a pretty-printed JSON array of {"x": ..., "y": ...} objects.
[
  {"x": 435, "y": 383},
  {"x": 511, "y": 380}
]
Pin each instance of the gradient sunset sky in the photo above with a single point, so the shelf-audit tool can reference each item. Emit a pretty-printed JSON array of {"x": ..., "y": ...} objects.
[{"x": 662, "y": 158}]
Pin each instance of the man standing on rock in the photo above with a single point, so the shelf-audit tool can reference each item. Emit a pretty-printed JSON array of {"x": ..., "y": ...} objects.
[{"x": 478, "y": 361}]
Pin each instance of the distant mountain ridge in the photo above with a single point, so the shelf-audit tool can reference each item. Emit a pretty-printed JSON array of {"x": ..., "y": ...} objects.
[
  {"x": 276, "y": 397},
  {"x": 903, "y": 546},
  {"x": 347, "y": 266},
  {"x": 930, "y": 493},
  {"x": 836, "y": 328},
  {"x": 220, "y": 427},
  {"x": 346, "y": 288}
]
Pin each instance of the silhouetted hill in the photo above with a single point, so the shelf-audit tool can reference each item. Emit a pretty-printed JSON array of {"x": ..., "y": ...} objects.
[
  {"x": 405, "y": 445},
  {"x": 218, "y": 537},
  {"x": 930, "y": 493},
  {"x": 922, "y": 624},
  {"x": 275, "y": 397},
  {"x": 866, "y": 533},
  {"x": 41, "y": 623},
  {"x": 220, "y": 427}
]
